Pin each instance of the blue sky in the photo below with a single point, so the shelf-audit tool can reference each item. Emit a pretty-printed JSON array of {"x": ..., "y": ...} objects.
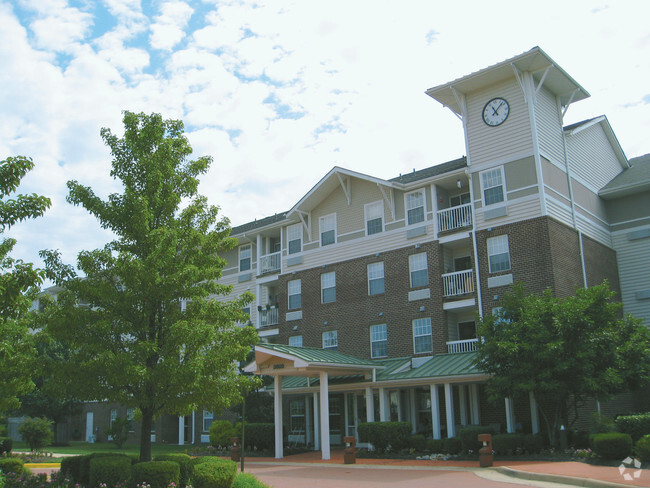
[{"x": 279, "y": 92}]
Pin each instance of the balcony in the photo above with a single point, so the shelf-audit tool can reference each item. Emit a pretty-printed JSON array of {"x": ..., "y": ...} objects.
[
  {"x": 453, "y": 218},
  {"x": 458, "y": 283},
  {"x": 268, "y": 316},
  {"x": 455, "y": 347},
  {"x": 270, "y": 263}
]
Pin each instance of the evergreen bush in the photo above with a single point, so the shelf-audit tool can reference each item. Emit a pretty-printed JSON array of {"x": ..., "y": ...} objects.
[
  {"x": 533, "y": 443},
  {"x": 384, "y": 434},
  {"x": 247, "y": 480},
  {"x": 612, "y": 445},
  {"x": 507, "y": 444},
  {"x": 452, "y": 445},
  {"x": 435, "y": 446},
  {"x": 214, "y": 473},
  {"x": 417, "y": 442},
  {"x": 71, "y": 467},
  {"x": 469, "y": 437},
  {"x": 6, "y": 445},
  {"x": 635, "y": 425},
  {"x": 220, "y": 433},
  {"x": 185, "y": 463},
  {"x": 642, "y": 448},
  {"x": 157, "y": 474},
  {"x": 110, "y": 470},
  {"x": 12, "y": 465},
  {"x": 37, "y": 433},
  {"x": 260, "y": 436}
]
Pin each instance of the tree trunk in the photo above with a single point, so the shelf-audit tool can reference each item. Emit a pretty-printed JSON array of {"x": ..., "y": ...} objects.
[{"x": 145, "y": 436}]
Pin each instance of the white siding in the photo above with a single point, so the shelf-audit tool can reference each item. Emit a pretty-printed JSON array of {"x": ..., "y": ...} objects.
[
  {"x": 634, "y": 271},
  {"x": 592, "y": 158},
  {"x": 559, "y": 210},
  {"x": 593, "y": 229},
  {"x": 549, "y": 126}
]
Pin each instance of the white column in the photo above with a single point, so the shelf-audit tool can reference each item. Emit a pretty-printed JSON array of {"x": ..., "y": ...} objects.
[
  {"x": 324, "y": 416},
  {"x": 277, "y": 413},
  {"x": 259, "y": 252},
  {"x": 383, "y": 405},
  {"x": 370, "y": 405},
  {"x": 534, "y": 414},
  {"x": 435, "y": 411},
  {"x": 355, "y": 416},
  {"x": 193, "y": 427},
  {"x": 413, "y": 409},
  {"x": 181, "y": 430},
  {"x": 449, "y": 406},
  {"x": 462, "y": 400},
  {"x": 316, "y": 423},
  {"x": 510, "y": 415},
  {"x": 474, "y": 405},
  {"x": 346, "y": 416},
  {"x": 436, "y": 204},
  {"x": 308, "y": 421}
]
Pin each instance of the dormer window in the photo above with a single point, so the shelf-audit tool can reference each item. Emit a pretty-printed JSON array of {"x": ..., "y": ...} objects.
[
  {"x": 294, "y": 238},
  {"x": 327, "y": 226},
  {"x": 415, "y": 207}
]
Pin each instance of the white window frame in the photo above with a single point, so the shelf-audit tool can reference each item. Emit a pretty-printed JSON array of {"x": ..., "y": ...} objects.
[
  {"x": 331, "y": 339},
  {"x": 327, "y": 223},
  {"x": 294, "y": 233},
  {"x": 407, "y": 206},
  {"x": 498, "y": 246},
  {"x": 375, "y": 275},
  {"x": 207, "y": 416},
  {"x": 488, "y": 182},
  {"x": 327, "y": 282},
  {"x": 294, "y": 288},
  {"x": 295, "y": 341},
  {"x": 373, "y": 211},
  {"x": 246, "y": 248},
  {"x": 378, "y": 334},
  {"x": 422, "y": 328},
  {"x": 415, "y": 266}
]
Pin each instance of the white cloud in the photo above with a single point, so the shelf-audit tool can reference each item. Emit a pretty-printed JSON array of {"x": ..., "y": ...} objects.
[{"x": 167, "y": 29}]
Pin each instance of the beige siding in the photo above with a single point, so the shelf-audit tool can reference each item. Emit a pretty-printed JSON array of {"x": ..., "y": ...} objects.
[
  {"x": 520, "y": 174},
  {"x": 519, "y": 209},
  {"x": 629, "y": 208},
  {"x": 549, "y": 126},
  {"x": 634, "y": 271},
  {"x": 592, "y": 158},
  {"x": 512, "y": 138},
  {"x": 555, "y": 178},
  {"x": 589, "y": 201}
]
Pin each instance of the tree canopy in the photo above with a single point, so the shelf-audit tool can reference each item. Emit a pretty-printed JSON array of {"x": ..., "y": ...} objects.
[
  {"x": 142, "y": 322},
  {"x": 562, "y": 350},
  {"x": 16, "y": 280}
]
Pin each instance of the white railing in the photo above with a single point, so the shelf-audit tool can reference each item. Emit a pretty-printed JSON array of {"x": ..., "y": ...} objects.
[
  {"x": 268, "y": 317},
  {"x": 468, "y": 345},
  {"x": 458, "y": 283},
  {"x": 270, "y": 263},
  {"x": 455, "y": 217}
]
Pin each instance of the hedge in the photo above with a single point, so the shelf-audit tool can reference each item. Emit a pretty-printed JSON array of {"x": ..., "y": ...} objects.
[
  {"x": 533, "y": 443},
  {"x": 221, "y": 431},
  {"x": 612, "y": 445},
  {"x": 247, "y": 480},
  {"x": 185, "y": 464},
  {"x": 214, "y": 473},
  {"x": 635, "y": 425},
  {"x": 260, "y": 436},
  {"x": 84, "y": 465},
  {"x": 111, "y": 470},
  {"x": 469, "y": 437},
  {"x": 5, "y": 445},
  {"x": 71, "y": 467},
  {"x": 417, "y": 442},
  {"x": 157, "y": 474},
  {"x": 435, "y": 446},
  {"x": 642, "y": 448},
  {"x": 504, "y": 444},
  {"x": 12, "y": 465},
  {"x": 452, "y": 445},
  {"x": 384, "y": 434}
]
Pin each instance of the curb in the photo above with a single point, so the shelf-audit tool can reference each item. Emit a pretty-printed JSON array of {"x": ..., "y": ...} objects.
[{"x": 558, "y": 478}]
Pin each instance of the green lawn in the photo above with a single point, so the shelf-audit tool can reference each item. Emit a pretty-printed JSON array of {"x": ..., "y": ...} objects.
[{"x": 86, "y": 448}]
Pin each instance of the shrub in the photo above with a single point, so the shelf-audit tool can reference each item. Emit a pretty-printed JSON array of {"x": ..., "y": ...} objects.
[
  {"x": 384, "y": 434},
  {"x": 635, "y": 425},
  {"x": 217, "y": 473},
  {"x": 260, "y": 436},
  {"x": 184, "y": 462},
  {"x": 504, "y": 444},
  {"x": 469, "y": 437},
  {"x": 601, "y": 424},
  {"x": 5, "y": 445},
  {"x": 84, "y": 464},
  {"x": 642, "y": 448},
  {"x": 247, "y": 480},
  {"x": 110, "y": 470},
  {"x": 435, "y": 446},
  {"x": 70, "y": 468},
  {"x": 37, "y": 433},
  {"x": 417, "y": 442},
  {"x": 220, "y": 433},
  {"x": 157, "y": 474},
  {"x": 533, "y": 443},
  {"x": 612, "y": 445},
  {"x": 118, "y": 432},
  {"x": 579, "y": 439},
  {"x": 452, "y": 445},
  {"x": 12, "y": 465}
]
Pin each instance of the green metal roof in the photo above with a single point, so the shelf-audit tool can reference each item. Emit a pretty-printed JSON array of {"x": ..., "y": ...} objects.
[{"x": 315, "y": 355}]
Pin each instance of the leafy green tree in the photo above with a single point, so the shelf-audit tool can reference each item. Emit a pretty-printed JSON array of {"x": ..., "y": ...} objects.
[
  {"x": 143, "y": 324},
  {"x": 37, "y": 433},
  {"x": 16, "y": 280},
  {"x": 118, "y": 431},
  {"x": 562, "y": 350}
]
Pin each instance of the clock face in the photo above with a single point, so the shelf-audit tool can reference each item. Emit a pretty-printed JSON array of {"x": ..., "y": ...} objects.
[{"x": 496, "y": 112}]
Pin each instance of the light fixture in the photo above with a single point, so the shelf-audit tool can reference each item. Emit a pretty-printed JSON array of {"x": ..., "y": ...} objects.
[
  {"x": 417, "y": 246},
  {"x": 381, "y": 314},
  {"x": 459, "y": 183},
  {"x": 422, "y": 309},
  {"x": 496, "y": 297},
  {"x": 326, "y": 323},
  {"x": 295, "y": 327}
]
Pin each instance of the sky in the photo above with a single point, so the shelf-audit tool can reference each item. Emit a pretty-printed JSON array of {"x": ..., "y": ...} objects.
[{"x": 279, "y": 92}]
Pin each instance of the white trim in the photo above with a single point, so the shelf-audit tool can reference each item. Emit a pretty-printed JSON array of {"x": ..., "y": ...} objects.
[
  {"x": 501, "y": 162},
  {"x": 385, "y": 339},
  {"x": 429, "y": 335},
  {"x": 380, "y": 204},
  {"x": 322, "y": 219},
  {"x": 502, "y": 184},
  {"x": 424, "y": 206}
]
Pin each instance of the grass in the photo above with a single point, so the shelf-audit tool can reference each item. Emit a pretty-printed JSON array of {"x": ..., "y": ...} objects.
[{"x": 80, "y": 447}]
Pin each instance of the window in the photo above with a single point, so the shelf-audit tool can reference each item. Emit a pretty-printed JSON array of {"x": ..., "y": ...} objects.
[
  {"x": 375, "y": 278},
  {"x": 374, "y": 217},
  {"x": 208, "y": 416},
  {"x": 245, "y": 257},
  {"x": 113, "y": 416},
  {"x": 295, "y": 341},
  {"x": 378, "y": 341},
  {"x": 331, "y": 340},
  {"x": 130, "y": 416},
  {"x": 498, "y": 253},
  {"x": 327, "y": 226},
  {"x": 466, "y": 330},
  {"x": 457, "y": 200},
  {"x": 295, "y": 294},
  {"x": 422, "y": 340},
  {"x": 492, "y": 186},
  {"x": 415, "y": 207},
  {"x": 328, "y": 287},
  {"x": 294, "y": 238},
  {"x": 418, "y": 270}
]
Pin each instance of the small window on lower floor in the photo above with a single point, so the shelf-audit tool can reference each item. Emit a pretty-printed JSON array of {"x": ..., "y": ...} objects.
[
  {"x": 208, "y": 417},
  {"x": 330, "y": 340},
  {"x": 422, "y": 340},
  {"x": 378, "y": 341},
  {"x": 295, "y": 341}
]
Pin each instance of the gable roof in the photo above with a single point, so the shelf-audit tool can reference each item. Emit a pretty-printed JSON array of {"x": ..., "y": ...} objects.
[
  {"x": 634, "y": 179},
  {"x": 609, "y": 134}
]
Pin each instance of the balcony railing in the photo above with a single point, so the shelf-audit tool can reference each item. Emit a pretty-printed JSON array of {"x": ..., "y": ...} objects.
[
  {"x": 268, "y": 317},
  {"x": 458, "y": 283},
  {"x": 270, "y": 263},
  {"x": 455, "y": 217},
  {"x": 468, "y": 345}
]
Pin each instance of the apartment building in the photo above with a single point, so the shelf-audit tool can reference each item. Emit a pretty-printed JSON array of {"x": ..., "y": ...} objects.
[{"x": 368, "y": 289}]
